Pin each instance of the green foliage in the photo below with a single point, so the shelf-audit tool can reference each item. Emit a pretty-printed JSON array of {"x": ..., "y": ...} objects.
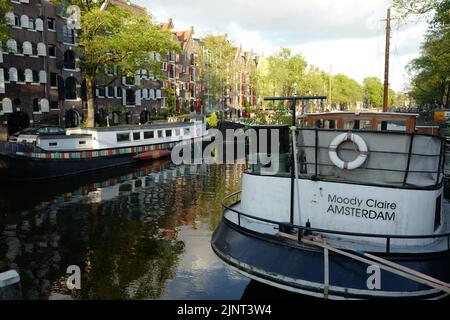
[
  {"x": 373, "y": 92},
  {"x": 346, "y": 91},
  {"x": 4, "y": 29},
  {"x": 430, "y": 72},
  {"x": 212, "y": 120},
  {"x": 218, "y": 68},
  {"x": 282, "y": 74},
  {"x": 116, "y": 37}
]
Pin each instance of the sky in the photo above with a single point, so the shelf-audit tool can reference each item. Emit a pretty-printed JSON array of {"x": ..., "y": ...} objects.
[{"x": 348, "y": 35}]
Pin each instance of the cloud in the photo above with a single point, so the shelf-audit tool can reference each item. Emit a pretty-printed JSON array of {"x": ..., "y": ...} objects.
[{"x": 348, "y": 34}]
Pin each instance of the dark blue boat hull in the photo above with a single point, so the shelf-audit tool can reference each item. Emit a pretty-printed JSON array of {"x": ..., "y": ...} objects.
[
  {"x": 286, "y": 264},
  {"x": 23, "y": 168}
]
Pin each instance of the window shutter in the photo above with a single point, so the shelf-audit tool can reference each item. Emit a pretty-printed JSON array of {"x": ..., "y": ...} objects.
[
  {"x": 61, "y": 88},
  {"x": 39, "y": 24},
  {"x": 24, "y": 21},
  {"x": 10, "y": 19},
  {"x": 44, "y": 105},
  {"x": 28, "y": 75},
  {"x": 42, "y": 76},
  {"x": 83, "y": 91},
  {"x": 2, "y": 80},
  {"x": 124, "y": 97},
  {"x": 7, "y": 105},
  {"x": 13, "y": 76},
  {"x": 60, "y": 31},
  {"x": 41, "y": 49},
  {"x": 138, "y": 98},
  {"x": 27, "y": 48},
  {"x": 59, "y": 58}
]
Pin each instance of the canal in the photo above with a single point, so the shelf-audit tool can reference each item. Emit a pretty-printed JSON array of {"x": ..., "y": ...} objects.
[{"x": 140, "y": 232}]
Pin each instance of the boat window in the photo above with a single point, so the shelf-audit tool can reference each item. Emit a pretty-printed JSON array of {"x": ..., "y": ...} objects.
[
  {"x": 186, "y": 131},
  {"x": 168, "y": 133},
  {"x": 136, "y": 136},
  {"x": 81, "y": 142},
  {"x": 358, "y": 124},
  {"x": 122, "y": 137},
  {"x": 177, "y": 132},
  {"x": 329, "y": 124},
  {"x": 392, "y": 125},
  {"x": 53, "y": 144},
  {"x": 160, "y": 133},
  {"x": 149, "y": 134}
]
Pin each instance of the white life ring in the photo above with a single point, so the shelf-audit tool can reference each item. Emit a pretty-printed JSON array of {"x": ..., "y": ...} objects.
[{"x": 362, "y": 149}]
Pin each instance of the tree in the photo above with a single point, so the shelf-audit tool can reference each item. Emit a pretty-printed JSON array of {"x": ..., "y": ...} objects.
[
  {"x": 217, "y": 67},
  {"x": 373, "y": 92},
  {"x": 346, "y": 91},
  {"x": 4, "y": 34},
  {"x": 430, "y": 72},
  {"x": 115, "y": 38}
]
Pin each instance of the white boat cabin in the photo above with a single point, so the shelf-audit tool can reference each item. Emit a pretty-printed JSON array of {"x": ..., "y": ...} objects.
[
  {"x": 366, "y": 173},
  {"x": 80, "y": 139}
]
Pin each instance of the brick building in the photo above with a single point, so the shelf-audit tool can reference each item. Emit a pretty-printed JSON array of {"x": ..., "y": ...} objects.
[{"x": 39, "y": 80}]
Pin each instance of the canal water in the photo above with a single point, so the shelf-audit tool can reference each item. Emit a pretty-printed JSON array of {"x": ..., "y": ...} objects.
[{"x": 139, "y": 232}]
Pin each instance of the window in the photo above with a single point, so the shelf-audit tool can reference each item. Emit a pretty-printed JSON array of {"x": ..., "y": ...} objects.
[
  {"x": 177, "y": 132},
  {"x": 52, "y": 50},
  {"x": 123, "y": 137},
  {"x": 168, "y": 133},
  {"x": 130, "y": 97},
  {"x": 119, "y": 92},
  {"x": 30, "y": 24},
  {"x": 160, "y": 133},
  {"x": 54, "y": 105},
  {"x": 16, "y": 21},
  {"x": 136, "y": 136},
  {"x": 149, "y": 134},
  {"x": 68, "y": 35},
  {"x": 71, "y": 88},
  {"x": 20, "y": 76},
  {"x": 51, "y": 24},
  {"x": 82, "y": 142},
  {"x": 53, "y": 79},
  {"x": 392, "y": 125},
  {"x": 69, "y": 60},
  {"x": 101, "y": 92},
  {"x": 53, "y": 144},
  {"x": 35, "y": 76},
  {"x": 186, "y": 131},
  {"x": 358, "y": 124},
  {"x": 36, "y": 105}
]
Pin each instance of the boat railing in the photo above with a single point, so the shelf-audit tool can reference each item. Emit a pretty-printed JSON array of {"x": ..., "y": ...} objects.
[
  {"x": 406, "y": 160},
  {"x": 304, "y": 231}
]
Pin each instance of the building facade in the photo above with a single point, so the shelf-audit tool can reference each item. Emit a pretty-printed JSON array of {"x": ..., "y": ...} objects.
[{"x": 39, "y": 79}]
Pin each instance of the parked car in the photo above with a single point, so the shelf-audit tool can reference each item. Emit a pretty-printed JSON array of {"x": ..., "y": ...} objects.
[{"x": 30, "y": 134}]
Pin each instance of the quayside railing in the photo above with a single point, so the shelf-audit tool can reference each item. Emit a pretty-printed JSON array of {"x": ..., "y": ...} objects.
[{"x": 303, "y": 230}]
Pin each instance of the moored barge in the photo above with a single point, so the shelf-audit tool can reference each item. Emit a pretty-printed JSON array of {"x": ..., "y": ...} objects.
[
  {"x": 360, "y": 215},
  {"x": 88, "y": 149}
]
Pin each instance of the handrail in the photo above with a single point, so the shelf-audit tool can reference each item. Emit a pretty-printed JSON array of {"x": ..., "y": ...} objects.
[{"x": 302, "y": 229}]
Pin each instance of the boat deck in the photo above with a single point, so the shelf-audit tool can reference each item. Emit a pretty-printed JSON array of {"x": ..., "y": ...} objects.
[{"x": 350, "y": 243}]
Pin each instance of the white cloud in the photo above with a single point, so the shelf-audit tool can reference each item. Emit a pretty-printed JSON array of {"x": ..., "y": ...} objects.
[{"x": 348, "y": 34}]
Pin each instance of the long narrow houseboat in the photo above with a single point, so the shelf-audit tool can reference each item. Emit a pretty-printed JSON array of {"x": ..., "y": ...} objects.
[
  {"x": 360, "y": 215},
  {"x": 83, "y": 150}
]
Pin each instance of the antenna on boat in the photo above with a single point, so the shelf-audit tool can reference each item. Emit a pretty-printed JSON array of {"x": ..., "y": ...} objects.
[{"x": 386, "y": 61}]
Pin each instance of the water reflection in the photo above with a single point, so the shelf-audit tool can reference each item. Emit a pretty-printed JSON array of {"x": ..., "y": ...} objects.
[{"x": 137, "y": 232}]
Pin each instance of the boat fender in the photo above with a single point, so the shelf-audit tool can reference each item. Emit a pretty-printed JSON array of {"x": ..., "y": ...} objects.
[{"x": 362, "y": 149}]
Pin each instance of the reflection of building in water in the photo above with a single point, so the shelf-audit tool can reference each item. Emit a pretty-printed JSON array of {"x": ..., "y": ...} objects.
[{"x": 121, "y": 231}]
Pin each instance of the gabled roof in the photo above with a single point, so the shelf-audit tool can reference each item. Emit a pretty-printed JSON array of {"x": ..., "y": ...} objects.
[
  {"x": 167, "y": 25},
  {"x": 127, "y": 5}
]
